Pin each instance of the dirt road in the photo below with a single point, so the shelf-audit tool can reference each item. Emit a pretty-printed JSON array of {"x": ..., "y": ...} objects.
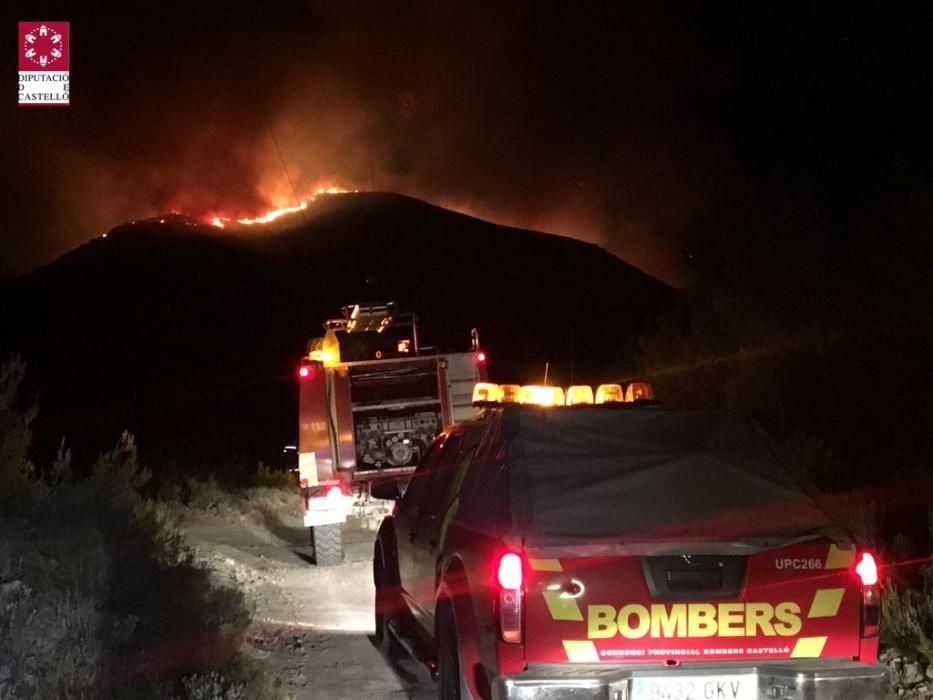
[{"x": 313, "y": 625}]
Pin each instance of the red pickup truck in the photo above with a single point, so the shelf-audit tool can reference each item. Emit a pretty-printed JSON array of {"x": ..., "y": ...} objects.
[{"x": 623, "y": 553}]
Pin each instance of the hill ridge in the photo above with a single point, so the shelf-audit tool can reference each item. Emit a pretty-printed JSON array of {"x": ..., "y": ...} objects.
[{"x": 174, "y": 336}]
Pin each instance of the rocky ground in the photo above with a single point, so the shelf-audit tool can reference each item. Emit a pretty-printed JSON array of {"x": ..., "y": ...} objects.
[
  {"x": 911, "y": 674},
  {"x": 312, "y": 626}
]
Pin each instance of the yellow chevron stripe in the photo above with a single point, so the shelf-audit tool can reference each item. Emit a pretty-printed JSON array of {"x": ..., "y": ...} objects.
[
  {"x": 562, "y": 606},
  {"x": 840, "y": 558},
  {"x": 581, "y": 652},
  {"x": 545, "y": 565},
  {"x": 808, "y": 648},
  {"x": 826, "y": 602}
]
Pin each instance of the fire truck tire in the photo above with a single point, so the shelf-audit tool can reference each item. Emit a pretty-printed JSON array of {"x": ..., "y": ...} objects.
[
  {"x": 328, "y": 544},
  {"x": 449, "y": 678}
]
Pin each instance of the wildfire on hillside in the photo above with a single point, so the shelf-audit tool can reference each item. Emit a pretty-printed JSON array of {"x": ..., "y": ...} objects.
[{"x": 221, "y": 221}]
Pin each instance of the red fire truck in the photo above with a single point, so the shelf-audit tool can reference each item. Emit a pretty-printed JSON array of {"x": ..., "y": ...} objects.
[{"x": 371, "y": 401}]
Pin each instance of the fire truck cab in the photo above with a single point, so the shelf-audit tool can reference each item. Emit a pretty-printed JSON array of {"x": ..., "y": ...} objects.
[{"x": 371, "y": 401}]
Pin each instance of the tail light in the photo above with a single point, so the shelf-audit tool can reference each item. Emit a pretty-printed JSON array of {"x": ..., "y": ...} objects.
[
  {"x": 510, "y": 577},
  {"x": 867, "y": 571},
  {"x": 330, "y": 491}
]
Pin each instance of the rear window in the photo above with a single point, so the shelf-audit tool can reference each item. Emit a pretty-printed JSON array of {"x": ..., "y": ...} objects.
[{"x": 393, "y": 383}]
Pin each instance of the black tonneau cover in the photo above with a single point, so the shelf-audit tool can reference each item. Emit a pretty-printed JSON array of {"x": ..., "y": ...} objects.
[{"x": 647, "y": 475}]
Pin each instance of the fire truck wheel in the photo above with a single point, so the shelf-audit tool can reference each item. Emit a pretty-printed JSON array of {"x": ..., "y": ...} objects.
[
  {"x": 449, "y": 680},
  {"x": 328, "y": 544}
]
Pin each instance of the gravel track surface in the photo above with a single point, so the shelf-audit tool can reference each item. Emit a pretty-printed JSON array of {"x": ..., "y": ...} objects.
[{"x": 312, "y": 626}]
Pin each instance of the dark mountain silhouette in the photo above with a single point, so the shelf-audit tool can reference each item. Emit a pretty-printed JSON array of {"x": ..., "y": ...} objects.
[{"x": 187, "y": 335}]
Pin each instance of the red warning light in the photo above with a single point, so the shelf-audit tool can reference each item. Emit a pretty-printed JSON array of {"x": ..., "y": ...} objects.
[
  {"x": 304, "y": 371},
  {"x": 480, "y": 357}
]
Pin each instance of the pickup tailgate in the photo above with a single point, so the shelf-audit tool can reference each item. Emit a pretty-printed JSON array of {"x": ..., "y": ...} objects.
[{"x": 677, "y": 605}]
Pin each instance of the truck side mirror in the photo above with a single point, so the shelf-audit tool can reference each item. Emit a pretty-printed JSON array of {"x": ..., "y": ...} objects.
[{"x": 387, "y": 490}]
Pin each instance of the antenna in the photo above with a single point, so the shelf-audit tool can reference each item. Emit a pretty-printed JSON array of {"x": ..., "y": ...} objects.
[
  {"x": 546, "y": 367},
  {"x": 265, "y": 117},
  {"x": 278, "y": 150}
]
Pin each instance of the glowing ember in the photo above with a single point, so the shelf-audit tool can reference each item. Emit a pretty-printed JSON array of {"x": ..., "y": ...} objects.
[{"x": 269, "y": 216}]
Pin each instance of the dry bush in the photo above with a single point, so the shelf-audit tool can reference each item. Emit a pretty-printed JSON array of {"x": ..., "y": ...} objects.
[
  {"x": 269, "y": 477},
  {"x": 859, "y": 512},
  {"x": 16, "y": 471},
  {"x": 212, "y": 494},
  {"x": 862, "y": 517},
  {"x": 204, "y": 494},
  {"x": 213, "y": 686},
  {"x": 101, "y": 598},
  {"x": 98, "y": 597},
  {"x": 907, "y": 620},
  {"x": 244, "y": 683},
  {"x": 49, "y": 618}
]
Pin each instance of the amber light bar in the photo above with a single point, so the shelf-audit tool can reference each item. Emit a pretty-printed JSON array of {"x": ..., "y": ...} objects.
[{"x": 485, "y": 393}]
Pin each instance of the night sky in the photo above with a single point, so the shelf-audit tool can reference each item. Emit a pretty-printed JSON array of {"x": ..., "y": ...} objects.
[{"x": 638, "y": 126}]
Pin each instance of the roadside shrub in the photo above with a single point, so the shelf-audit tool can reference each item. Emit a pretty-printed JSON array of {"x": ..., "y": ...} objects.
[
  {"x": 16, "y": 471},
  {"x": 861, "y": 515},
  {"x": 203, "y": 494},
  {"x": 243, "y": 682},
  {"x": 924, "y": 647},
  {"x": 859, "y": 512},
  {"x": 98, "y": 596},
  {"x": 907, "y": 616},
  {"x": 272, "y": 478},
  {"x": 211, "y": 493},
  {"x": 49, "y": 617},
  {"x": 213, "y": 686}
]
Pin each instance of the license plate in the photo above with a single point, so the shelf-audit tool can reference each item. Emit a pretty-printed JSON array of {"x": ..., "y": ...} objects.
[{"x": 732, "y": 687}]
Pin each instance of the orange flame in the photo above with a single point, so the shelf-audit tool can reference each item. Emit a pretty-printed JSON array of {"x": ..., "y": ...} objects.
[
  {"x": 269, "y": 216},
  {"x": 273, "y": 215}
]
